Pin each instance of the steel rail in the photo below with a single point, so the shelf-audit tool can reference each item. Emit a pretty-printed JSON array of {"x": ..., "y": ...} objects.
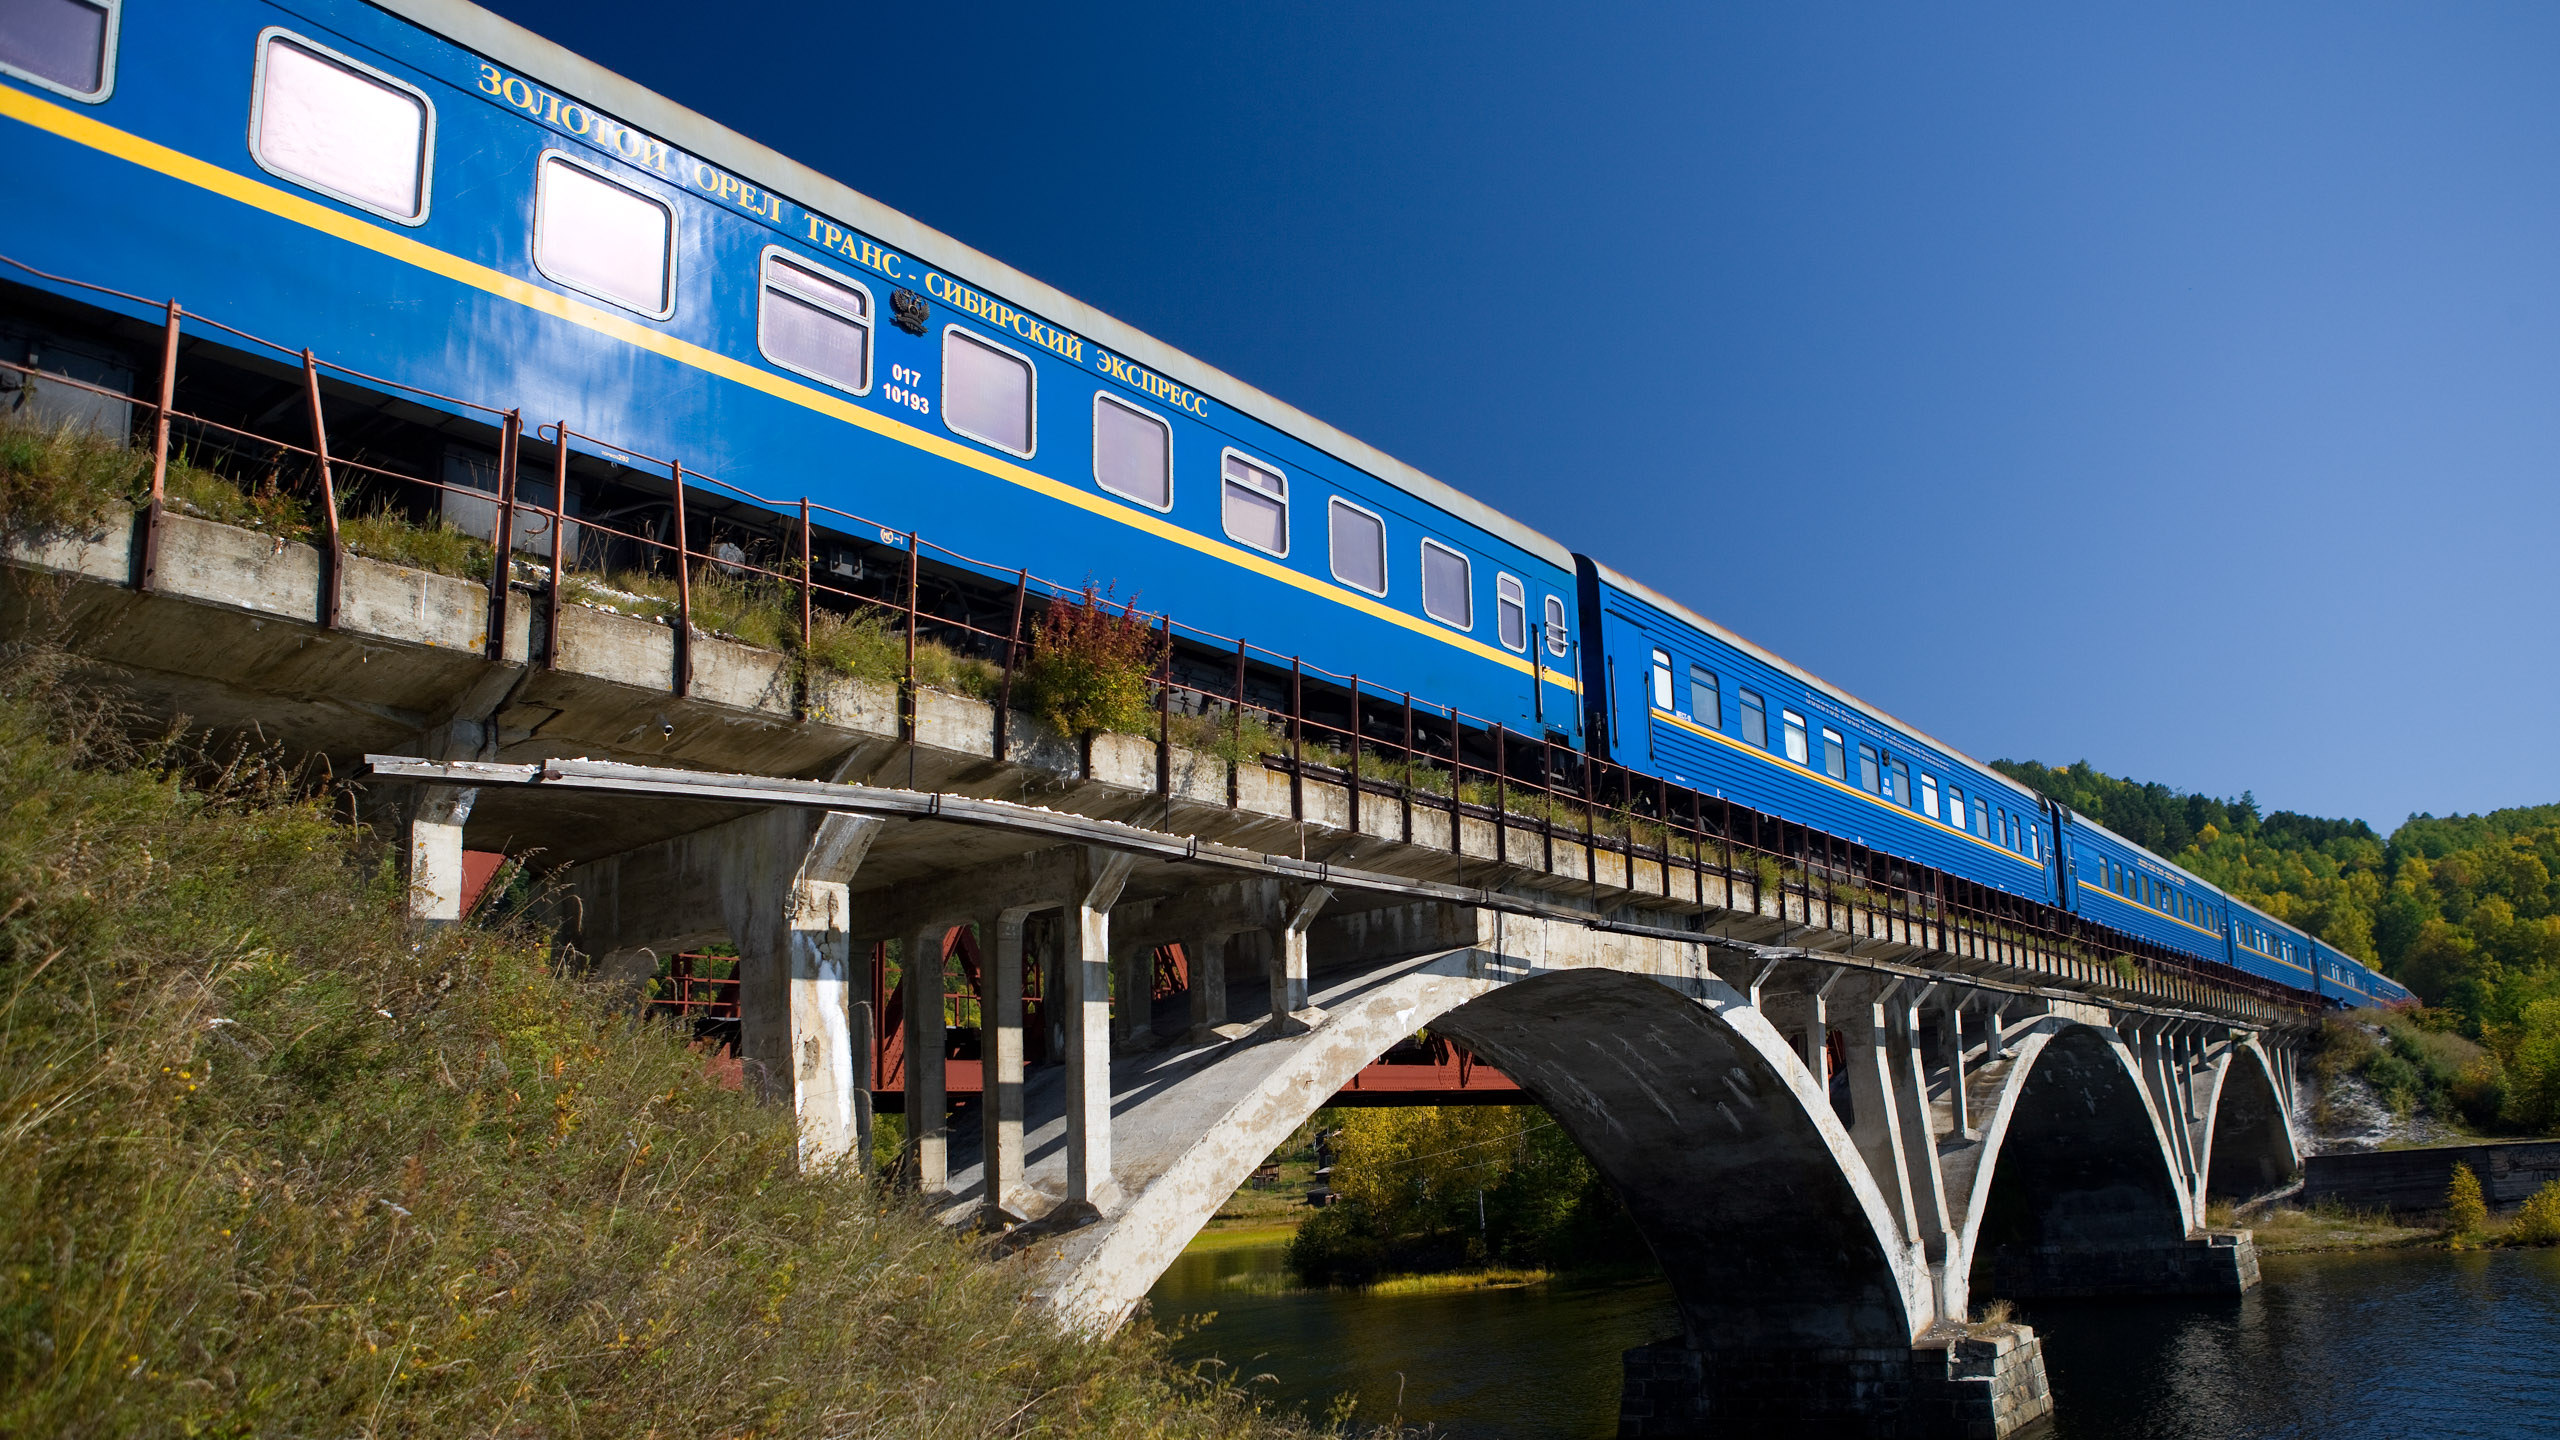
[{"x": 658, "y": 783}]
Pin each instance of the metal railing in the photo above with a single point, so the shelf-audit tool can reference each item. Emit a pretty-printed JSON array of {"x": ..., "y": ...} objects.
[{"x": 1339, "y": 730}]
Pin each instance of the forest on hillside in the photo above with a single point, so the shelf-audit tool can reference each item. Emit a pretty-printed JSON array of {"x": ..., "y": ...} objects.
[{"x": 2463, "y": 909}]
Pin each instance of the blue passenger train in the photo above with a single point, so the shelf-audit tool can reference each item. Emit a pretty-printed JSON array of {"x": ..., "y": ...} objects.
[{"x": 440, "y": 196}]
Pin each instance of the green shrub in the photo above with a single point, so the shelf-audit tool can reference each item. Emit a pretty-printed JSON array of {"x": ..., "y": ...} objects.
[
  {"x": 265, "y": 505},
  {"x": 2464, "y": 1211},
  {"x": 2538, "y": 1222},
  {"x": 389, "y": 536},
  {"x": 64, "y": 478},
  {"x": 1091, "y": 669},
  {"x": 1238, "y": 742},
  {"x": 278, "y": 1163},
  {"x": 940, "y": 667},
  {"x": 1338, "y": 1245},
  {"x": 862, "y": 645}
]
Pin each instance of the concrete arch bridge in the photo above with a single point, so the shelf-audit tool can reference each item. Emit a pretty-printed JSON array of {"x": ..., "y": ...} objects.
[{"x": 1826, "y": 1227}]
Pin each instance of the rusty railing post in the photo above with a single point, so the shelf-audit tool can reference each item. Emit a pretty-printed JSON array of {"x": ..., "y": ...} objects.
[
  {"x": 684, "y": 590},
  {"x": 1501, "y": 793},
  {"x": 1297, "y": 747},
  {"x": 559, "y": 549},
  {"x": 147, "y": 573},
  {"x": 502, "y": 558},
  {"x": 1012, "y": 658},
  {"x": 1235, "y": 730},
  {"x": 1164, "y": 718},
  {"x": 1408, "y": 774},
  {"x": 334, "y": 557},
  {"x": 1353, "y": 741},
  {"x": 909, "y": 709},
  {"x": 808, "y": 614}
]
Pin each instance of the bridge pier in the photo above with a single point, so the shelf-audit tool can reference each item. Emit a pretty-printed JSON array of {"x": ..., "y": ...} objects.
[
  {"x": 1977, "y": 1383},
  {"x": 776, "y": 885}
]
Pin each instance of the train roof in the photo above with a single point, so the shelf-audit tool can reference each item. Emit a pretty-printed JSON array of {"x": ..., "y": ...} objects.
[
  {"x": 2289, "y": 926},
  {"x": 503, "y": 40},
  {"x": 1688, "y": 616},
  {"x": 2082, "y": 821}
]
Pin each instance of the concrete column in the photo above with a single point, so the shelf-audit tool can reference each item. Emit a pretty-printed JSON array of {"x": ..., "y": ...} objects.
[
  {"x": 928, "y": 1109},
  {"x": 1088, "y": 1003},
  {"x": 1290, "y": 1012},
  {"x": 1918, "y": 1129},
  {"x": 1208, "y": 957},
  {"x": 862, "y": 1041},
  {"x": 1003, "y": 1069},
  {"x": 1817, "y": 1035},
  {"x": 1133, "y": 1018},
  {"x": 1951, "y": 1040},
  {"x": 823, "y": 1091},
  {"x": 1875, "y": 1126},
  {"x": 436, "y": 813}
]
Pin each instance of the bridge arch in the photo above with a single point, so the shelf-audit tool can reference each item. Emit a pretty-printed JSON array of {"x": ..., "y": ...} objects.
[
  {"x": 2080, "y": 1192},
  {"x": 2249, "y": 1145},
  {"x": 1734, "y": 1168}
]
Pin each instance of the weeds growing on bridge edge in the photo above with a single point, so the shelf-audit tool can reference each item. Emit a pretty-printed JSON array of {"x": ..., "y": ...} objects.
[{"x": 276, "y": 1162}]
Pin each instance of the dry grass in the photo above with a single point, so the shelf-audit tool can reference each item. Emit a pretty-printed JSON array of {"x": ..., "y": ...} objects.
[{"x": 277, "y": 1163}]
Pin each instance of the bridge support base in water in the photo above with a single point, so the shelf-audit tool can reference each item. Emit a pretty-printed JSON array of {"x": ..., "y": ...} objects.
[
  {"x": 1978, "y": 1384},
  {"x": 2218, "y": 1262}
]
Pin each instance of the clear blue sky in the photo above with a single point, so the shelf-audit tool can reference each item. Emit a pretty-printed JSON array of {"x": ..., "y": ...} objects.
[{"x": 2176, "y": 388}]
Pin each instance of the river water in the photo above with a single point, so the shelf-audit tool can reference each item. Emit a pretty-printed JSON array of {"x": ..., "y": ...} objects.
[{"x": 2389, "y": 1345}]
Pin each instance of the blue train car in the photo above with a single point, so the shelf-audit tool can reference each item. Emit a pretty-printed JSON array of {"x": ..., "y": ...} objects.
[
  {"x": 418, "y": 188},
  {"x": 1673, "y": 694},
  {"x": 2344, "y": 980},
  {"x": 2123, "y": 886},
  {"x": 2271, "y": 949}
]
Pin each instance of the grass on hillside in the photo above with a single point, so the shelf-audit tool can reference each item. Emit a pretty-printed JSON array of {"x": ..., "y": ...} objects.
[{"x": 278, "y": 1163}]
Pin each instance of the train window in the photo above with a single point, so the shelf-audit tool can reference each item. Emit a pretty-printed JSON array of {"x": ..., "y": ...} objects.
[
  {"x": 1558, "y": 640},
  {"x": 1870, "y": 772},
  {"x": 1359, "y": 547},
  {"x": 1255, "y": 506},
  {"x": 346, "y": 130},
  {"x": 1706, "y": 703},
  {"x": 1794, "y": 724},
  {"x": 1929, "y": 795},
  {"x": 1835, "y": 754},
  {"x": 1755, "y": 720},
  {"x": 1511, "y": 612},
  {"x": 1897, "y": 782},
  {"x": 2035, "y": 844},
  {"x": 989, "y": 393},
  {"x": 1448, "y": 591},
  {"x": 605, "y": 238},
  {"x": 1661, "y": 679},
  {"x": 1132, "y": 452},
  {"x": 1955, "y": 806},
  {"x": 66, "y": 46},
  {"x": 1981, "y": 818},
  {"x": 815, "y": 323}
]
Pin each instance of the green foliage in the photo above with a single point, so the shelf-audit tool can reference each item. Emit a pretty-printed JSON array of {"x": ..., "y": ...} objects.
[
  {"x": 64, "y": 478},
  {"x": 2464, "y": 1211},
  {"x": 264, "y": 505},
  {"x": 862, "y": 645},
  {"x": 439, "y": 548},
  {"x": 1092, "y": 669},
  {"x": 2538, "y": 1221},
  {"x": 278, "y": 1163},
  {"x": 1237, "y": 740},
  {"x": 2464, "y": 910},
  {"x": 1410, "y": 1178}
]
